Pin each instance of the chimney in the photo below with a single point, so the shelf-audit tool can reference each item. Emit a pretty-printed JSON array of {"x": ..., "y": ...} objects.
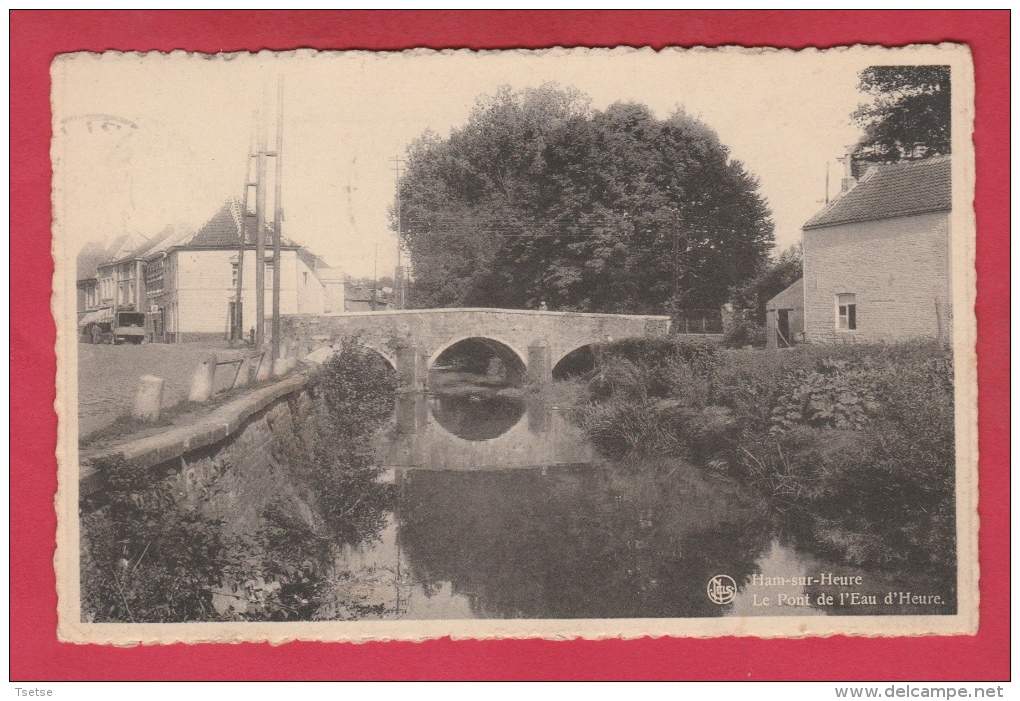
[{"x": 848, "y": 171}]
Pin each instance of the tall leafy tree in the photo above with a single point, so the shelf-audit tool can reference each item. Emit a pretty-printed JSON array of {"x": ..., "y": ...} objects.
[
  {"x": 774, "y": 277},
  {"x": 909, "y": 115},
  {"x": 541, "y": 198}
]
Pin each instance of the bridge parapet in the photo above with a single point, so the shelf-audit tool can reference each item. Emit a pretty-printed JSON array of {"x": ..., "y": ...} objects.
[{"x": 412, "y": 339}]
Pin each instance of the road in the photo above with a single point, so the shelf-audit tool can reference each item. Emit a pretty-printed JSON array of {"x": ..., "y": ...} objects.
[{"x": 108, "y": 377}]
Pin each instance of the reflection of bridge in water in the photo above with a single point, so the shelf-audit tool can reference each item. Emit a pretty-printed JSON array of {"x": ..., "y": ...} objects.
[{"x": 436, "y": 432}]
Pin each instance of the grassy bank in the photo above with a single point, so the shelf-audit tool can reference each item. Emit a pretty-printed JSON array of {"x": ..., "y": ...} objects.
[
  {"x": 232, "y": 537},
  {"x": 851, "y": 446}
]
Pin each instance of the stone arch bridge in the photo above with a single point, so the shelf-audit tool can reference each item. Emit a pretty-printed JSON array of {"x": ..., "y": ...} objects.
[{"x": 529, "y": 342}]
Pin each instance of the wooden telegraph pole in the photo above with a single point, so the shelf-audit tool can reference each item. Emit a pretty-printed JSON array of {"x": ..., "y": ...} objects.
[
  {"x": 260, "y": 228},
  {"x": 277, "y": 219},
  {"x": 238, "y": 331}
]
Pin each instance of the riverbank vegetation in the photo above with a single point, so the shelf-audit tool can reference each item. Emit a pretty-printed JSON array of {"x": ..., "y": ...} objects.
[
  {"x": 240, "y": 536},
  {"x": 850, "y": 447}
]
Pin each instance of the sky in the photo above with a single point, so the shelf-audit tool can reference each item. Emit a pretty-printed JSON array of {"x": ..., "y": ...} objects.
[{"x": 185, "y": 123}]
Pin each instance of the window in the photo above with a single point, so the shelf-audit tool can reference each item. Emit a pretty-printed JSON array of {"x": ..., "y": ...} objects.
[
  {"x": 233, "y": 275},
  {"x": 305, "y": 277},
  {"x": 154, "y": 276},
  {"x": 846, "y": 312}
]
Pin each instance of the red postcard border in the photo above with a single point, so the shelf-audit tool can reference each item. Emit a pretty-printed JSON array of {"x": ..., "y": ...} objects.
[{"x": 35, "y": 654}]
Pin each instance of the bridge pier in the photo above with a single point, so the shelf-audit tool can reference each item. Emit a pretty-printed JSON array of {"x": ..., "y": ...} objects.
[
  {"x": 539, "y": 363},
  {"x": 411, "y": 371},
  {"x": 412, "y": 413}
]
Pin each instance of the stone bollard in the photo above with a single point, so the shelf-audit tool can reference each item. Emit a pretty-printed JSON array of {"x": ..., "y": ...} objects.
[
  {"x": 202, "y": 380},
  {"x": 149, "y": 398}
]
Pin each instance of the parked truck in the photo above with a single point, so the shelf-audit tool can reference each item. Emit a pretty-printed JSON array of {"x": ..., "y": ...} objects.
[{"x": 118, "y": 327}]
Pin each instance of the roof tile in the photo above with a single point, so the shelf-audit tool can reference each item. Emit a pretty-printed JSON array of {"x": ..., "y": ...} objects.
[
  {"x": 223, "y": 230},
  {"x": 897, "y": 190}
]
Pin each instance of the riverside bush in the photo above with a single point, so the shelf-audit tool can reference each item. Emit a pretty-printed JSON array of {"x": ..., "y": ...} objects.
[
  {"x": 352, "y": 398},
  {"x": 853, "y": 444},
  {"x": 148, "y": 554},
  {"x": 145, "y": 557}
]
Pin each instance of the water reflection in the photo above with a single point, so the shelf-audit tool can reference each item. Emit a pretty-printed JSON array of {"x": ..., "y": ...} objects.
[
  {"x": 575, "y": 541},
  {"x": 476, "y": 417},
  {"x": 529, "y": 523},
  {"x": 503, "y": 510},
  {"x": 452, "y": 432},
  {"x": 371, "y": 580}
]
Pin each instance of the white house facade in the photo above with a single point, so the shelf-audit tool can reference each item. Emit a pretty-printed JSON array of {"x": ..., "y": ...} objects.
[
  {"x": 188, "y": 280},
  {"x": 877, "y": 261}
]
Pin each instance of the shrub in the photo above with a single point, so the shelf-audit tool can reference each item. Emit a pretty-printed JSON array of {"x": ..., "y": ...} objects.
[
  {"x": 357, "y": 387},
  {"x": 836, "y": 395},
  {"x": 749, "y": 383},
  {"x": 354, "y": 394},
  {"x": 655, "y": 367},
  {"x": 744, "y": 331},
  {"x": 853, "y": 444},
  {"x": 618, "y": 378},
  {"x": 618, "y": 427},
  {"x": 147, "y": 558}
]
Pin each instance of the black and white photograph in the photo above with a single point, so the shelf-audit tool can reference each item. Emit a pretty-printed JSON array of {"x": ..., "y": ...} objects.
[{"x": 549, "y": 343}]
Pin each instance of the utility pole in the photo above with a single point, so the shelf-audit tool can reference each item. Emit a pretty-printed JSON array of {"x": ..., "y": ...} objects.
[
  {"x": 399, "y": 277},
  {"x": 278, "y": 219},
  {"x": 260, "y": 228},
  {"x": 238, "y": 330}
]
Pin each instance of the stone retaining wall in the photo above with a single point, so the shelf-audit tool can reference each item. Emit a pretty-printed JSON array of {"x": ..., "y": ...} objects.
[{"x": 247, "y": 419}]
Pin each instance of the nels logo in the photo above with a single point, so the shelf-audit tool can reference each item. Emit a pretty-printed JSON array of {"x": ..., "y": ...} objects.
[{"x": 722, "y": 589}]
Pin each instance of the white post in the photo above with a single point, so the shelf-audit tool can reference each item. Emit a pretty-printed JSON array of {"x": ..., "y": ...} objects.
[
  {"x": 202, "y": 380},
  {"x": 148, "y": 398}
]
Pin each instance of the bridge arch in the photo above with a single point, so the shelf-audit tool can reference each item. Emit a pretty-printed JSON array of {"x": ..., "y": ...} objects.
[
  {"x": 580, "y": 355},
  {"x": 488, "y": 339},
  {"x": 513, "y": 360},
  {"x": 383, "y": 353}
]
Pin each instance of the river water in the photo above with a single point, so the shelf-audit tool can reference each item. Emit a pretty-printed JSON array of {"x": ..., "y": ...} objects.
[{"x": 502, "y": 509}]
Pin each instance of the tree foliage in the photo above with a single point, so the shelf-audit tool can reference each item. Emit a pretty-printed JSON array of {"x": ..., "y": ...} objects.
[
  {"x": 909, "y": 116},
  {"x": 774, "y": 277},
  {"x": 541, "y": 198}
]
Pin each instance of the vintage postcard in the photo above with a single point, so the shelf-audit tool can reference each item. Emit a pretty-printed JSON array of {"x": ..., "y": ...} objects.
[{"x": 570, "y": 343}]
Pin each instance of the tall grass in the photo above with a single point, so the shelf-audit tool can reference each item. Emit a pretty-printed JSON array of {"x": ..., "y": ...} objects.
[{"x": 852, "y": 444}]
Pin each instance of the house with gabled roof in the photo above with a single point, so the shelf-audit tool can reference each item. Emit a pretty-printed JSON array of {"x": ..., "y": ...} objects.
[
  {"x": 877, "y": 260},
  {"x": 186, "y": 279},
  {"x": 109, "y": 279},
  {"x": 192, "y": 279}
]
